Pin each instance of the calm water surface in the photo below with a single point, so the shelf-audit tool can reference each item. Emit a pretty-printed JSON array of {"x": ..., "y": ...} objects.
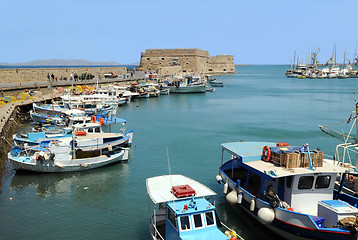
[{"x": 257, "y": 104}]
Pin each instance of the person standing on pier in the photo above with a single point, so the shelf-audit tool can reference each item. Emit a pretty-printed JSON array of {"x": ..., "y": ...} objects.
[{"x": 48, "y": 76}]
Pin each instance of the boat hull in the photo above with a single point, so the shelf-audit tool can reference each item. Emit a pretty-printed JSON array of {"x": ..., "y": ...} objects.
[
  {"x": 281, "y": 224},
  {"x": 52, "y": 166},
  {"x": 188, "y": 89}
]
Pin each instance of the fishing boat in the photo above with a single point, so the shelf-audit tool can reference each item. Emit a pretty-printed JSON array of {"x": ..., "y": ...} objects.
[
  {"x": 62, "y": 158},
  {"x": 52, "y": 113},
  {"x": 217, "y": 83},
  {"x": 186, "y": 85},
  {"x": 182, "y": 210},
  {"x": 288, "y": 189},
  {"x": 88, "y": 137}
]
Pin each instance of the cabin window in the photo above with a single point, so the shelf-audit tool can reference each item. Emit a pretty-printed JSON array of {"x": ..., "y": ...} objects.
[
  {"x": 184, "y": 223},
  {"x": 209, "y": 217},
  {"x": 323, "y": 181},
  {"x": 254, "y": 183},
  {"x": 97, "y": 129},
  {"x": 305, "y": 182},
  {"x": 289, "y": 181},
  {"x": 90, "y": 130},
  {"x": 198, "y": 221},
  {"x": 172, "y": 218}
]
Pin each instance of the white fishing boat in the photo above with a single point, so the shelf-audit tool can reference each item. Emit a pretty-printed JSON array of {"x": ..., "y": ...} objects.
[
  {"x": 182, "y": 210},
  {"x": 62, "y": 158},
  {"x": 186, "y": 85}
]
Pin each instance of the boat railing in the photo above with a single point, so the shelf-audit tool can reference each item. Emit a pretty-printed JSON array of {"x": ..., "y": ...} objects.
[
  {"x": 343, "y": 154},
  {"x": 156, "y": 232}
]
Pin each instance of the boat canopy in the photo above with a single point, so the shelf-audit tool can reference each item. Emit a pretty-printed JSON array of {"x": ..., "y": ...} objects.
[
  {"x": 73, "y": 112},
  {"x": 159, "y": 188},
  {"x": 250, "y": 154}
]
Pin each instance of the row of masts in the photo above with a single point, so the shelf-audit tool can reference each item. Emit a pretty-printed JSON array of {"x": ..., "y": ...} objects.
[{"x": 331, "y": 69}]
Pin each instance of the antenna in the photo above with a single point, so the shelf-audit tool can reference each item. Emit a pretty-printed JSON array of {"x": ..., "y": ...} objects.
[{"x": 170, "y": 173}]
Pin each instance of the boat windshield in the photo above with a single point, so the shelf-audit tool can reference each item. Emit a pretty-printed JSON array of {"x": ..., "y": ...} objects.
[
  {"x": 184, "y": 223},
  {"x": 209, "y": 217}
]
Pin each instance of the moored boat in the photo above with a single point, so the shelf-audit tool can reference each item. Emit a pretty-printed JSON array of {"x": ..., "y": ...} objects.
[
  {"x": 62, "y": 158},
  {"x": 288, "y": 189},
  {"x": 182, "y": 210}
]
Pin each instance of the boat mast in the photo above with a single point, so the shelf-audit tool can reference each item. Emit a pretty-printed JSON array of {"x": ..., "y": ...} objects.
[{"x": 355, "y": 101}]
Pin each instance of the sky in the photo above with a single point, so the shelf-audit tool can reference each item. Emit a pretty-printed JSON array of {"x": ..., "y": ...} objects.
[{"x": 254, "y": 31}]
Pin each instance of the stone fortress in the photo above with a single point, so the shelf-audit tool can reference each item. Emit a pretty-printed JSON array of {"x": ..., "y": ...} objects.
[{"x": 194, "y": 60}]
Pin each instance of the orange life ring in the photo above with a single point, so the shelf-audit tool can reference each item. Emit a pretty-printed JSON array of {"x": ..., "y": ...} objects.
[
  {"x": 266, "y": 153},
  {"x": 93, "y": 118},
  {"x": 101, "y": 121}
]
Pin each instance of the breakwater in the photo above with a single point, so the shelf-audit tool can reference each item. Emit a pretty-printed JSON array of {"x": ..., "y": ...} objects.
[{"x": 23, "y": 75}]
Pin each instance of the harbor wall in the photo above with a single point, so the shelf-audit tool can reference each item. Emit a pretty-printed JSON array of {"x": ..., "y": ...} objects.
[
  {"x": 8, "y": 75},
  {"x": 187, "y": 60}
]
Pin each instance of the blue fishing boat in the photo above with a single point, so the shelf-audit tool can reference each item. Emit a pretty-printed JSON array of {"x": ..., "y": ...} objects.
[
  {"x": 86, "y": 137},
  {"x": 182, "y": 210},
  {"x": 288, "y": 189}
]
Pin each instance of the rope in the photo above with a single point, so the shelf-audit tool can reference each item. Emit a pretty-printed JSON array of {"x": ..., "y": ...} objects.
[
  {"x": 7, "y": 141},
  {"x": 237, "y": 235},
  {"x": 16, "y": 122}
]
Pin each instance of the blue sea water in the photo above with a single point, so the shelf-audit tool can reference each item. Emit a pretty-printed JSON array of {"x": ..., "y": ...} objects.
[{"x": 256, "y": 104}]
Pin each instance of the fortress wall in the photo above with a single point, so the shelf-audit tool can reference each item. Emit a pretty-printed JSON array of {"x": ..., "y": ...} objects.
[
  {"x": 175, "y": 52},
  {"x": 190, "y": 60},
  {"x": 172, "y": 70},
  {"x": 221, "y": 64},
  {"x": 40, "y": 74}
]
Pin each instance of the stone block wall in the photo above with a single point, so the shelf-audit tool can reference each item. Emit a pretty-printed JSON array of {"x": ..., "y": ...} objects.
[
  {"x": 221, "y": 64},
  {"x": 40, "y": 74},
  {"x": 190, "y": 61}
]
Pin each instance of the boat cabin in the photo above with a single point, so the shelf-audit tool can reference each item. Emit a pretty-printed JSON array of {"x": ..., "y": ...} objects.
[
  {"x": 301, "y": 188},
  {"x": 189, "y": 217}
]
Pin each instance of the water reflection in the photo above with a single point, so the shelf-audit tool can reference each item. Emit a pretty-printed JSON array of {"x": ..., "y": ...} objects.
[{"x": 89, "y": 184}]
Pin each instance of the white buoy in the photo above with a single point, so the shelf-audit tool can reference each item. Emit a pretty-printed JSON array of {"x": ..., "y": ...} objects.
[
  {"x": 252, "y": 205},
  {"x": 239, "y": 198},
  {"x": 219, "y": 179},
  {"x": 232, "y": 197},
  {"x": 226, "y": 186},
  {"x": 266, "y": 215}
]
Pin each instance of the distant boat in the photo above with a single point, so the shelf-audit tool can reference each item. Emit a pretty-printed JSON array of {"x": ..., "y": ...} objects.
[
  {"x": 187, "y": 85},
  {"x": 182, "y": 210},
  {"x": 217, "y": 83}
]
